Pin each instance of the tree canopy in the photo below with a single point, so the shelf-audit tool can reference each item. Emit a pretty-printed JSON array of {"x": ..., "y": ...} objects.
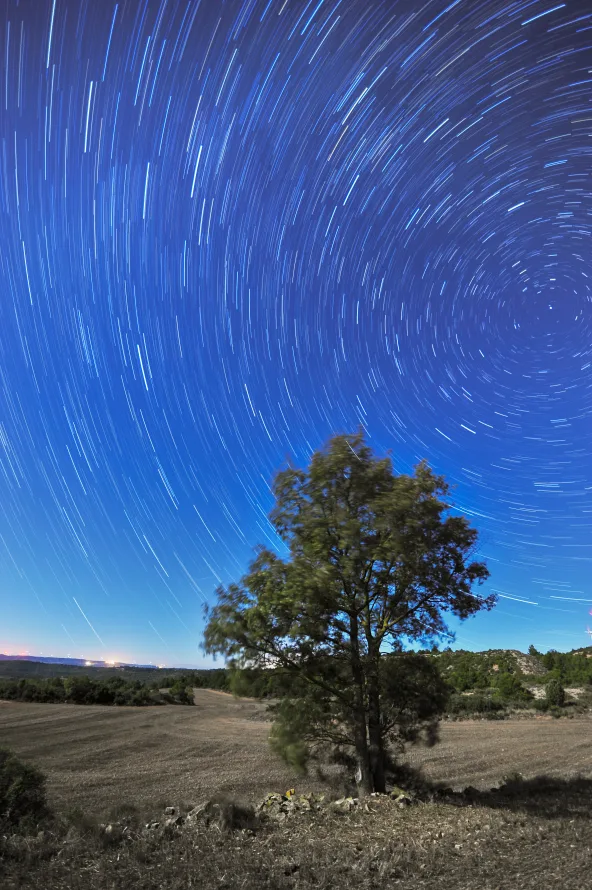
[{"x": 376, "y": 561}]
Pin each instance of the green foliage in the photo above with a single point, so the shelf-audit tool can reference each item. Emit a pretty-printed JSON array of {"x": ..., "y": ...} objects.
[
  {"x": 153, "y": 678},
  {"x": 295, "y": 730},
  {"x": 218, "y": 678},
  {"x": 555, "y": 694},
  {"x": 181, "y": 693},
  {"x": 259, "y": 683},
  {"x": 509, "y": 688},
  {"x": 571, "y": 668},
  {"x": 376, "y": 559},
  {"x": 413, "y": 695},
  {"x": 479, "y": 671},
  {"x": 466, "y": 705},
  {"x": 22, "y": 790},
  {"x": 249, "y": 683},
  {"x": 84, "y": 690},
  {"x": 468, "y": 670},
  {"x": 310, "y": 723}
]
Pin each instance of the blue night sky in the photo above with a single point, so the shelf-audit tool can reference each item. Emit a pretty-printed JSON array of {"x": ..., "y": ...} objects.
[{"x": 231, "y": 228}]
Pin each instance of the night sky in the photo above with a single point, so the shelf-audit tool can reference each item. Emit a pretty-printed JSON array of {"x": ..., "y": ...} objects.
[{"x": 231, "y": 229}]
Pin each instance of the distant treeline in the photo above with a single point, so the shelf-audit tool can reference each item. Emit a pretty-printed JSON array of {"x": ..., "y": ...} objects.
[
  {"x": 84, "y": 690},
  {"x": 497, "y": 679},
  {"x": 253, "y": 683},
  {"x": 37, "y": 669},
  {"x": 217, "y": 678}
]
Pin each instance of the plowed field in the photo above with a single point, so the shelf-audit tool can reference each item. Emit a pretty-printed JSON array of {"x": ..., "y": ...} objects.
[{"x": 98, "y": 756}]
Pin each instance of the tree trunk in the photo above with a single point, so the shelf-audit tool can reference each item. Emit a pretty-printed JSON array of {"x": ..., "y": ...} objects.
[
  {"x": 364, "y": 778},
  {"x": 376, "y": 748},
  {"x": 375, "y": 734}
]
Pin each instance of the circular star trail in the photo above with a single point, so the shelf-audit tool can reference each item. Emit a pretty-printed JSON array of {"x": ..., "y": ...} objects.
[{"x": 230, "y": 229}]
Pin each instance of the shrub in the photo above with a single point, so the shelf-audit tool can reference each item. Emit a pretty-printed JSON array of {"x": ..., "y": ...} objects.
[
  {"x": 181, "y": 694},
  {"x": 555, "y": 694},
  {"x": 510, "y": 688},
  {"x": 84, "y": 690},
  {"x": 22, "y": 790},
  {"x": 474, "y": 704}
]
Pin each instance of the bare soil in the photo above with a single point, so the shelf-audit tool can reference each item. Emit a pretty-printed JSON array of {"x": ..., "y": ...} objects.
[
  {"x": 525, "y": 836},
  {"x": 482, "y": 752},
  {"x": 97, "y": 757}
]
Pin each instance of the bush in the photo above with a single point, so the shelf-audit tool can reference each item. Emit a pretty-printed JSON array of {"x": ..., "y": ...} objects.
[
  {"x": 555, "y": 694},
  {"x": 463, "y": 705},
  {"x": 510, "y": 688},
  {"x": 22, "y": 790},
  {"x": 83, "y": 690},
  {"x": 181, "y": 694}
]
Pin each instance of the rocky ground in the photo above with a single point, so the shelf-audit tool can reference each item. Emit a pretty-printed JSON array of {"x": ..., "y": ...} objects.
[{"x": 523, "y": 835}]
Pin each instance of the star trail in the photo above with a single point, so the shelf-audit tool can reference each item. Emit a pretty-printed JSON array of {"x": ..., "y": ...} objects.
[{"x": 231, "y": 228}]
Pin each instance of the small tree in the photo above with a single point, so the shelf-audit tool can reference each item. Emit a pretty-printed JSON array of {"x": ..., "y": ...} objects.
[
  {"x": 376, "y": 560},
  {"x": 510, "y": 688},
  {"x": 555, "y": 693}
]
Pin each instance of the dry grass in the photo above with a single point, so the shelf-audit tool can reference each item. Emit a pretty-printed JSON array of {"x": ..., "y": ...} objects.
[
  {"x": 480, "y": 847},
  {"x": 98, "y": 758}
]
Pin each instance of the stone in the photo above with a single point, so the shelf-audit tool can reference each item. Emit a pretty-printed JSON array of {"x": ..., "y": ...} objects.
[
  {"x": 278, "y": 807},
  {"x": 199, "y": 811},
  {"x": 170, "y": 811},
  {"x": 345, "y": 804}
]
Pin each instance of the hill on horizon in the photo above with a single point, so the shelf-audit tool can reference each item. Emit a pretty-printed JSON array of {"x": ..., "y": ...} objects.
[
  {"x": 527, "y": 664},
  {"x": 78, "y": 662}
]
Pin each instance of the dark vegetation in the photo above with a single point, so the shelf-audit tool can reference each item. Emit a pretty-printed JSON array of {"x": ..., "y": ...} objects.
[
  {"x": 84, "y": 690},
  {"x": 201, "y": 679},
  {"x": 494, "y": 685},
  {"x": 376, "y": 560},
  {"x": 22, "y": 793},
  {"x": 474, "y": 686},
  {"x": 499, "y": 683}
]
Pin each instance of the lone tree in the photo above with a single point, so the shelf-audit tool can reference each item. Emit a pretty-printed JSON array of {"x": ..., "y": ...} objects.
[{"x": 376, "y": 560}]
